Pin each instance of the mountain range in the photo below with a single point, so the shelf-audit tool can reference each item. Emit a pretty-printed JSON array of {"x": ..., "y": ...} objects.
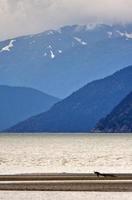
[
  {"x": 84, "y": 108},
  {"x": 59, "y": 62},
  {"x": 119, "y": 120},
  {"x": 19, "y": 103}
]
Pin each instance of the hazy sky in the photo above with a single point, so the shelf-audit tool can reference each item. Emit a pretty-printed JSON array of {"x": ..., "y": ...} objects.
[{"x": 20, "y": 17}]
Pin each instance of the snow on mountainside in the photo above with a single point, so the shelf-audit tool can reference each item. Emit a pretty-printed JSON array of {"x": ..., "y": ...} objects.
[
  {"x": 80, "y": 41},
  {"x": 125, "y": 34},
  {"x": 59, "y": 62},
  {"x": 8, "y": 47}
]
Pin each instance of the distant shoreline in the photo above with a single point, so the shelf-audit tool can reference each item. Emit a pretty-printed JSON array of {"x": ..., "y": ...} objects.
[{"x": 65, "y": 134}]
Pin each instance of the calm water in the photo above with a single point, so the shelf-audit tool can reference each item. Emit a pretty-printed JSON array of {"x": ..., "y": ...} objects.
[{"x": 60, "y": 153}]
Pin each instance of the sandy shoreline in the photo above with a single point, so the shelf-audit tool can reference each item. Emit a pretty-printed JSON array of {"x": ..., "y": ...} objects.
[
  {"x": 64, "y": 176},
  {"x": 66, "y": 182}
]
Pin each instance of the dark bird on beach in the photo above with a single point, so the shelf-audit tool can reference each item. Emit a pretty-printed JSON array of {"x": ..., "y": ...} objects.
[{"x": 98, "y": 174}]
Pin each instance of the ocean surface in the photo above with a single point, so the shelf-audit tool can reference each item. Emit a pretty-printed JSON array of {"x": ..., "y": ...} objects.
[{"x": 65, "y": 153}]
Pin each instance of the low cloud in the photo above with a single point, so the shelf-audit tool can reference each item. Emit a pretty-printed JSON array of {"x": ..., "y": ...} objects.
[{"x": 20, "y": 17}]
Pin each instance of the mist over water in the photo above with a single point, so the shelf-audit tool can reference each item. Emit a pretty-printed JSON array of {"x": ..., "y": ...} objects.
[{"x": 65, "y": 153}]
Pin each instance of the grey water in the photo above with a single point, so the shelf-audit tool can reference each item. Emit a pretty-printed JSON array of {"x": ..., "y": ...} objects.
[{"x": 39, "y": 153}]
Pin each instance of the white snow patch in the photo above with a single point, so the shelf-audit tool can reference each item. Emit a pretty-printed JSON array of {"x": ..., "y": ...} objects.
[
  {"x": 120, "y": 33},
  {"x": 52, "y": 54},
  {"x": 80, "y": 41},
  {"x": 128, "y": 35},
  {"x": 49, "y": 47},
  {"x": 109, "y": 34},
  {"x": 50, "y": 33},
  {"x": 60, "y": 51},
  {"x": 84, "y": 43},
  {"x": 125, "y": 34},
  {"x": 8, "y": 47}
]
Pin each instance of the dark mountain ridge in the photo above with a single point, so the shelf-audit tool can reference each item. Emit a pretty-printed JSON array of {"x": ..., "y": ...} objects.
[
  {"x": 119, "y": 120},
  {"x": 19, "y": 103},
  {"x": 83, "y": 109}
]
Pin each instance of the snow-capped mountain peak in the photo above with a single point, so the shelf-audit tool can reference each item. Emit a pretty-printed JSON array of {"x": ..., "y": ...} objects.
[{"x": 60, "y": 61}]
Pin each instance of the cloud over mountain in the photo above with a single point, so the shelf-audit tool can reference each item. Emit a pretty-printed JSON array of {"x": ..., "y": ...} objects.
[{"x": 18, "y": 17}]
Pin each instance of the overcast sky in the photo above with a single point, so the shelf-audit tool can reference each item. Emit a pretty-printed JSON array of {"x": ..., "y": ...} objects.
[{"x": 20, "y": 17}]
